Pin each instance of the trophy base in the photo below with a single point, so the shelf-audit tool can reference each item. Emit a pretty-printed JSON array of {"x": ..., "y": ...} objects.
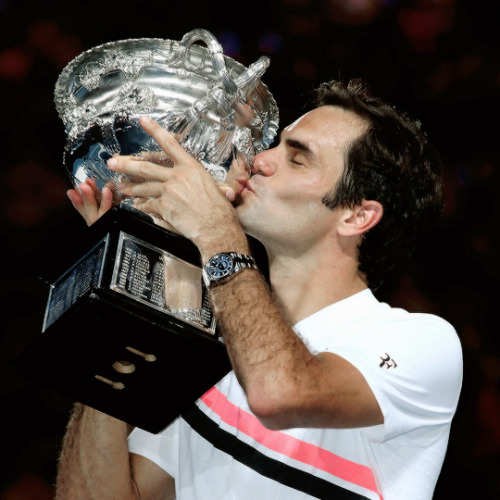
[{"x": 107, "y": 344}]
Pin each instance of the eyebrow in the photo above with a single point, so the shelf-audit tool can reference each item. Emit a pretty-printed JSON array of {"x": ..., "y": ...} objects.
[{"x": 300, "y": 146}]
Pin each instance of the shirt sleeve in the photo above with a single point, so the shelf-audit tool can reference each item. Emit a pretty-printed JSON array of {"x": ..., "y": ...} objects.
[
  {"x": 161, "y": 448},
  {"x": 414, "y": 367}
]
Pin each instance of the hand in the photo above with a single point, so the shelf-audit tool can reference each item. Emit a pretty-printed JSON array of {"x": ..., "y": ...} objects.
[
  {"x": 92, "y": 204},
  {"x": 185, "y": 195},
  {"x": 86, "y": 200}
]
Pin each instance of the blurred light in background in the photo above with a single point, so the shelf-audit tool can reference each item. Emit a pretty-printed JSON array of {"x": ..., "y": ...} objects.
[
  {"x": 270, "y": 43},
  {"x": 230, "y": 42},
  {"x": 354, "y": 12}
]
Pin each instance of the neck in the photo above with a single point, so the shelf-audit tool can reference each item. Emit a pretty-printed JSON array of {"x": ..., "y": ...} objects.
[{"x": 307, "y": 283}]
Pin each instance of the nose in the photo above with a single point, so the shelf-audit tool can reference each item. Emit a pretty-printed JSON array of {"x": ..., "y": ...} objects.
[{"x": 263, "y": 163}]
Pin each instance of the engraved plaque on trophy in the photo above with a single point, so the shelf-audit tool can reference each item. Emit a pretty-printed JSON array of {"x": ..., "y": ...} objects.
[{"x": 129, "y": 329}]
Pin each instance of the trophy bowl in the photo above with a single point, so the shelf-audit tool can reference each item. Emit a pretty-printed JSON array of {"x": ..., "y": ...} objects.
[{"x": 217, "y": 108}]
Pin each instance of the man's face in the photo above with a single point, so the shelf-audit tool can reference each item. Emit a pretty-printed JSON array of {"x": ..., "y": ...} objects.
[{"x": 282, "y": 202}]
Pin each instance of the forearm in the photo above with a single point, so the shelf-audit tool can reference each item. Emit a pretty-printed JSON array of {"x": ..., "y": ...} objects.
[
  {"x": 94, "y": 461},
  {"x": 271, "y": 362},
  {"x": 286, "y": 384}
]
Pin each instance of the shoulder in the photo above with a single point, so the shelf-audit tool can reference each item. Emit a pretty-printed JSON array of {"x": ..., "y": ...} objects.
[
  {"x": 420, "y": 331},
  {"x": 412, "y": 363},
  {"x": 415, "y": 337},
  {"x": 363, "y": 321},
  {"x": 421, "y": 346}
]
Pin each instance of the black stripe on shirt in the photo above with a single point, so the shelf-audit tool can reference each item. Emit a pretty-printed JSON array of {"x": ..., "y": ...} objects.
[{"x": 262, "y": 464}]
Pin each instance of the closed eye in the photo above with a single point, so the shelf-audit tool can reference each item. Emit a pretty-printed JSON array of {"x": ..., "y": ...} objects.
[
  {"x": 296, "y": 158},
  {"x": 300, "y": 152}
]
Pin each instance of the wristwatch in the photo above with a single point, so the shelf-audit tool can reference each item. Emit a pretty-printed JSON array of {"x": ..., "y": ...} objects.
[{"x": 223, "y": 266}]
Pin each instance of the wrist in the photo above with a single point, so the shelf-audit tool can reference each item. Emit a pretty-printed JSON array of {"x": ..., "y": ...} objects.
[{"x": 234, "y": 241}]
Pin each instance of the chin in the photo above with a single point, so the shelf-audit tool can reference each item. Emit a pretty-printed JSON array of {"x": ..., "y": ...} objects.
[{"x": 245, "y": 216}]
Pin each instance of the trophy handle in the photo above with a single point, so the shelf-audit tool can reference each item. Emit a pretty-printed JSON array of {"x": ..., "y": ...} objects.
[
  {"x": 216, "y": 52},
  {"x": 215, "y": 109},
  {"x": 224, "y": 104},
  {"x": 253, "y": 73}
]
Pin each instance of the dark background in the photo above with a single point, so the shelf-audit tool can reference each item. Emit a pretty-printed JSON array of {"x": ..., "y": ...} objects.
[{"x": 436, "y": 59}]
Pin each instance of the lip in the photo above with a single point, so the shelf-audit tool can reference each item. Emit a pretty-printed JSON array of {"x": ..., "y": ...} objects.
[
  {"x": 241, "y": 184},
  {"x": 245, "y": 186}
]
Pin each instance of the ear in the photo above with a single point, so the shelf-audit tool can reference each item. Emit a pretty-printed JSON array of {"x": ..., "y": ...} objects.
[{"x": 361, "y": 218}]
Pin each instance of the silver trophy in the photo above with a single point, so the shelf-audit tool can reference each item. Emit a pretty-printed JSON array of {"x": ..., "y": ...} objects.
[
  {"x": 218, "y": 109},
  {"x": 132, "y": 317}
]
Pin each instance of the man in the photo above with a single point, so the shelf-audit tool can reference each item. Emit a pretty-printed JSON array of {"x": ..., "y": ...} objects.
[{"x": 333, "y": 394}]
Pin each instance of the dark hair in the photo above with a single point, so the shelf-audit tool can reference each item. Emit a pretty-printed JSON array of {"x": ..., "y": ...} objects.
[{"x": 393, "y": 163}]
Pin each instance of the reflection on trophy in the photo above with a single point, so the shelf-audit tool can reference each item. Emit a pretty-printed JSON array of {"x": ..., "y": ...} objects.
[{"x": 128, "y": 329}]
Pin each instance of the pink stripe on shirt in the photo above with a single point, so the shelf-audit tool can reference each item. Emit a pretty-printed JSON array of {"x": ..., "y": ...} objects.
[{"x": 294, "y": 448}]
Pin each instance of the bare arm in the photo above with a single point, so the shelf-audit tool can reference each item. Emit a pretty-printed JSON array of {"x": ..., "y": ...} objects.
[
  {"x": 286, "y": 385},
  {"x": 95, "y": 463}
]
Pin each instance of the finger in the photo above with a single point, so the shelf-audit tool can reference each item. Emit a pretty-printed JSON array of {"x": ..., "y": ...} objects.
[
  {"x": 229, "y": 192},
  {"x": 89, "y": 202},
  {"x": 116, "y": 196},
  {"x": 139, "y": 169},
  {"x": 158, "y": 157},
  {"x": 164, "y": 139},
  {"x": 93, "y": 184},
  {"x": 76, "y": 201},
  {"x": 142, "y": 190},
  {"x": 106, "y": 201},
  {"x": 152, "y": 156}
]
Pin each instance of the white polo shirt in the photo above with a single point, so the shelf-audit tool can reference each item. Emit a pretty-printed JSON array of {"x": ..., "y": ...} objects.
[{"x": 413, "y": 364}]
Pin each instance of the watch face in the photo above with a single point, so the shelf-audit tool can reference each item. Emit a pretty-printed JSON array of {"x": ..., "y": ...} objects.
[{"x": 220, "y": 266}]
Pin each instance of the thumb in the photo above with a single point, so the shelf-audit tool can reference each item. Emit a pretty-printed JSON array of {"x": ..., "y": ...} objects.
[{"x": 229, "y": 192}]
